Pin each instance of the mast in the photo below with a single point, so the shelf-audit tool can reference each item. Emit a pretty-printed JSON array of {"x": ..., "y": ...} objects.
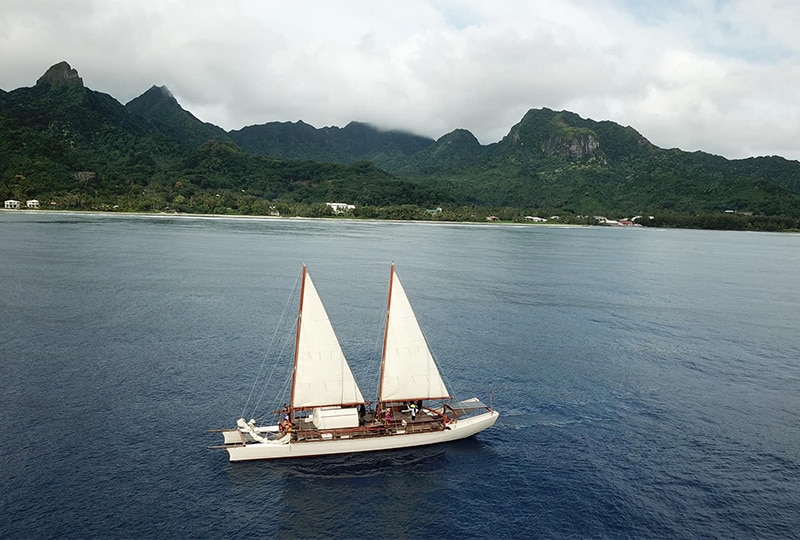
[
  {"x": 297, "y": 341},
  {"x": 385, "y": 335},
  {"x": 408, "y": 369},
  {"x": 321, "y": 376}
]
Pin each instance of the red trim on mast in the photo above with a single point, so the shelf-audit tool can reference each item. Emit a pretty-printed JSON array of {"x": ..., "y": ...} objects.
[
  {"x": 297, "y": 341},
  {"x": 385, "y": 335}
]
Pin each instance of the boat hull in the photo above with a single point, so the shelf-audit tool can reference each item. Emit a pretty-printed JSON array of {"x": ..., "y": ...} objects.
[{"x": 462, "y": 429}]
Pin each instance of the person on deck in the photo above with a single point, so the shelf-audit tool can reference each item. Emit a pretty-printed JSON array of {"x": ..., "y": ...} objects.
[
  {"x": 362, "y": 413},
  {"x": 413, "y": 409}
]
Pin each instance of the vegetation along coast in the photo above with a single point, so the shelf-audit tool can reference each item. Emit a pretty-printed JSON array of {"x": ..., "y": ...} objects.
[{"x": 64, "y": 146}]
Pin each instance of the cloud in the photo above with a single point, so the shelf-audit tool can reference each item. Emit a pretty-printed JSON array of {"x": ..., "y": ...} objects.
[{"x": 712, "y": 75}]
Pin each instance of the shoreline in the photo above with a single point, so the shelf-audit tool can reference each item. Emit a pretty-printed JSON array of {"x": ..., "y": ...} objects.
[
  {"x": 234, "y": 217},
  {"x": 280, "y": 218}
]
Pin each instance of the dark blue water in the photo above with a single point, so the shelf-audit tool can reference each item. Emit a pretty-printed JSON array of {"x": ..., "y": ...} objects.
[{"x": 648, "y": 380}]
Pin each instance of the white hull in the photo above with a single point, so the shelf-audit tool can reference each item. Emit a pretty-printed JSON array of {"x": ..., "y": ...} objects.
[
  {"x": 322, "y": 382},
  {"x": 461, "y": 429}
]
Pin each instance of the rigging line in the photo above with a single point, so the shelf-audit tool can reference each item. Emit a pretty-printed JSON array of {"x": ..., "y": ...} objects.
[
  {"x": 288, "y": 339},
  {"x": 285, "y": 388},
  {"x": 375, "y": 358},
  {"x": 264, "y": 361},
  {"x": 269, "y": 349},
  {"x": 444, "y": 376}
]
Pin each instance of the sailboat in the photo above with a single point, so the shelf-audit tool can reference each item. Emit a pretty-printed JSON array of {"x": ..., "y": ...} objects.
[{"x": 327, "y": 413}]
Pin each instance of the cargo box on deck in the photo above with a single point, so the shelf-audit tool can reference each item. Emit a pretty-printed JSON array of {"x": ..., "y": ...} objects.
[{"x": 335, "y": 417}]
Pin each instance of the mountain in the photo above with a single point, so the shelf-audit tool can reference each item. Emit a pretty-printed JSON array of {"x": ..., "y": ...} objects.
[
  {"x": 160, "y": 107},
  {"x": 78, "y": 148},
  {"x": 73, "y": 147},
  {"x": 556, "y": 160},
  {"x": 58, "y": 128},
  {"x": 355, "y": 142},
  {"x": 59, "y": 104},
  {"x": 552, "y": 161}
]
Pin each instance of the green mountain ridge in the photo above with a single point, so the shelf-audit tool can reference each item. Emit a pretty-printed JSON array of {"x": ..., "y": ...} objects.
[
  {"x": 63, "y": 141},
  {"x": 354, "y": 142},
  {"x": 557, "y": 161},
  {"x": 160, "y": 107},
  {"x": 73, "y": 147}
]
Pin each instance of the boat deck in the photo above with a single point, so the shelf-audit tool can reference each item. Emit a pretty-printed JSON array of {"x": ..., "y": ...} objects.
[{"x": 400, "y": 423}]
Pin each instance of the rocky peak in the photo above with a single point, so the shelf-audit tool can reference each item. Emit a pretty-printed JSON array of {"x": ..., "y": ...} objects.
[
  {"x": 160, "y": 92},
  {"x": 460, "y": 137},
  {"x": 157, "y": 97},
  {"x": 555, "y": 133},
  {"x": 61, "y": 74},
  {"x": 572, "y": 146}
]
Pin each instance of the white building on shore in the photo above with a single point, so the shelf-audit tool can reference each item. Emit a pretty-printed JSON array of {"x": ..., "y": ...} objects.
[{"x": 340, "y": 208}]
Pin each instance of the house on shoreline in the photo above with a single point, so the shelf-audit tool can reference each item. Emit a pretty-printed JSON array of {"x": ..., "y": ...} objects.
[
  {"x": 340, "y": 208},
  {"x": 13, "y": 204}
]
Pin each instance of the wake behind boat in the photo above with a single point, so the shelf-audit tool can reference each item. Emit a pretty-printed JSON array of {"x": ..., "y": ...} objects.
[{"x": 327, "y": 413}]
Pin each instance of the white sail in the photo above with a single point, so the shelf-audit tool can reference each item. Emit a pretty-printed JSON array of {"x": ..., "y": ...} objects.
[
  {"x": 322, "y": 381},
  {"x": 322, "y": 376},
  {"x": 408, "y": 370}
]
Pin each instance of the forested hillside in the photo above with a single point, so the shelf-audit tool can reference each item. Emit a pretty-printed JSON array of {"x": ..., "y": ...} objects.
[
  {"x": 72, "y": 147},
  {"x": 559, "y": 161}
]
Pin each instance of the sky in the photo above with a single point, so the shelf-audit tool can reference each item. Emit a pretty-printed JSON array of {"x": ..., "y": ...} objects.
[{"x": 721, "y": 76}]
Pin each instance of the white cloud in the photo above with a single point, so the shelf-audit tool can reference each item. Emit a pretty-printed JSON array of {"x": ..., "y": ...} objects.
[{"x": 712, "y": 75}]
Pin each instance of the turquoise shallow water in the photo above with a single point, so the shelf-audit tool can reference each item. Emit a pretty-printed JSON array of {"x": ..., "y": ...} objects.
[{"x": 647, "y": 379}]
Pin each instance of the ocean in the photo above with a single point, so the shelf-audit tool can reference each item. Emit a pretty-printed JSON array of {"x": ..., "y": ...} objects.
[{"x": 648, "y": 381}]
